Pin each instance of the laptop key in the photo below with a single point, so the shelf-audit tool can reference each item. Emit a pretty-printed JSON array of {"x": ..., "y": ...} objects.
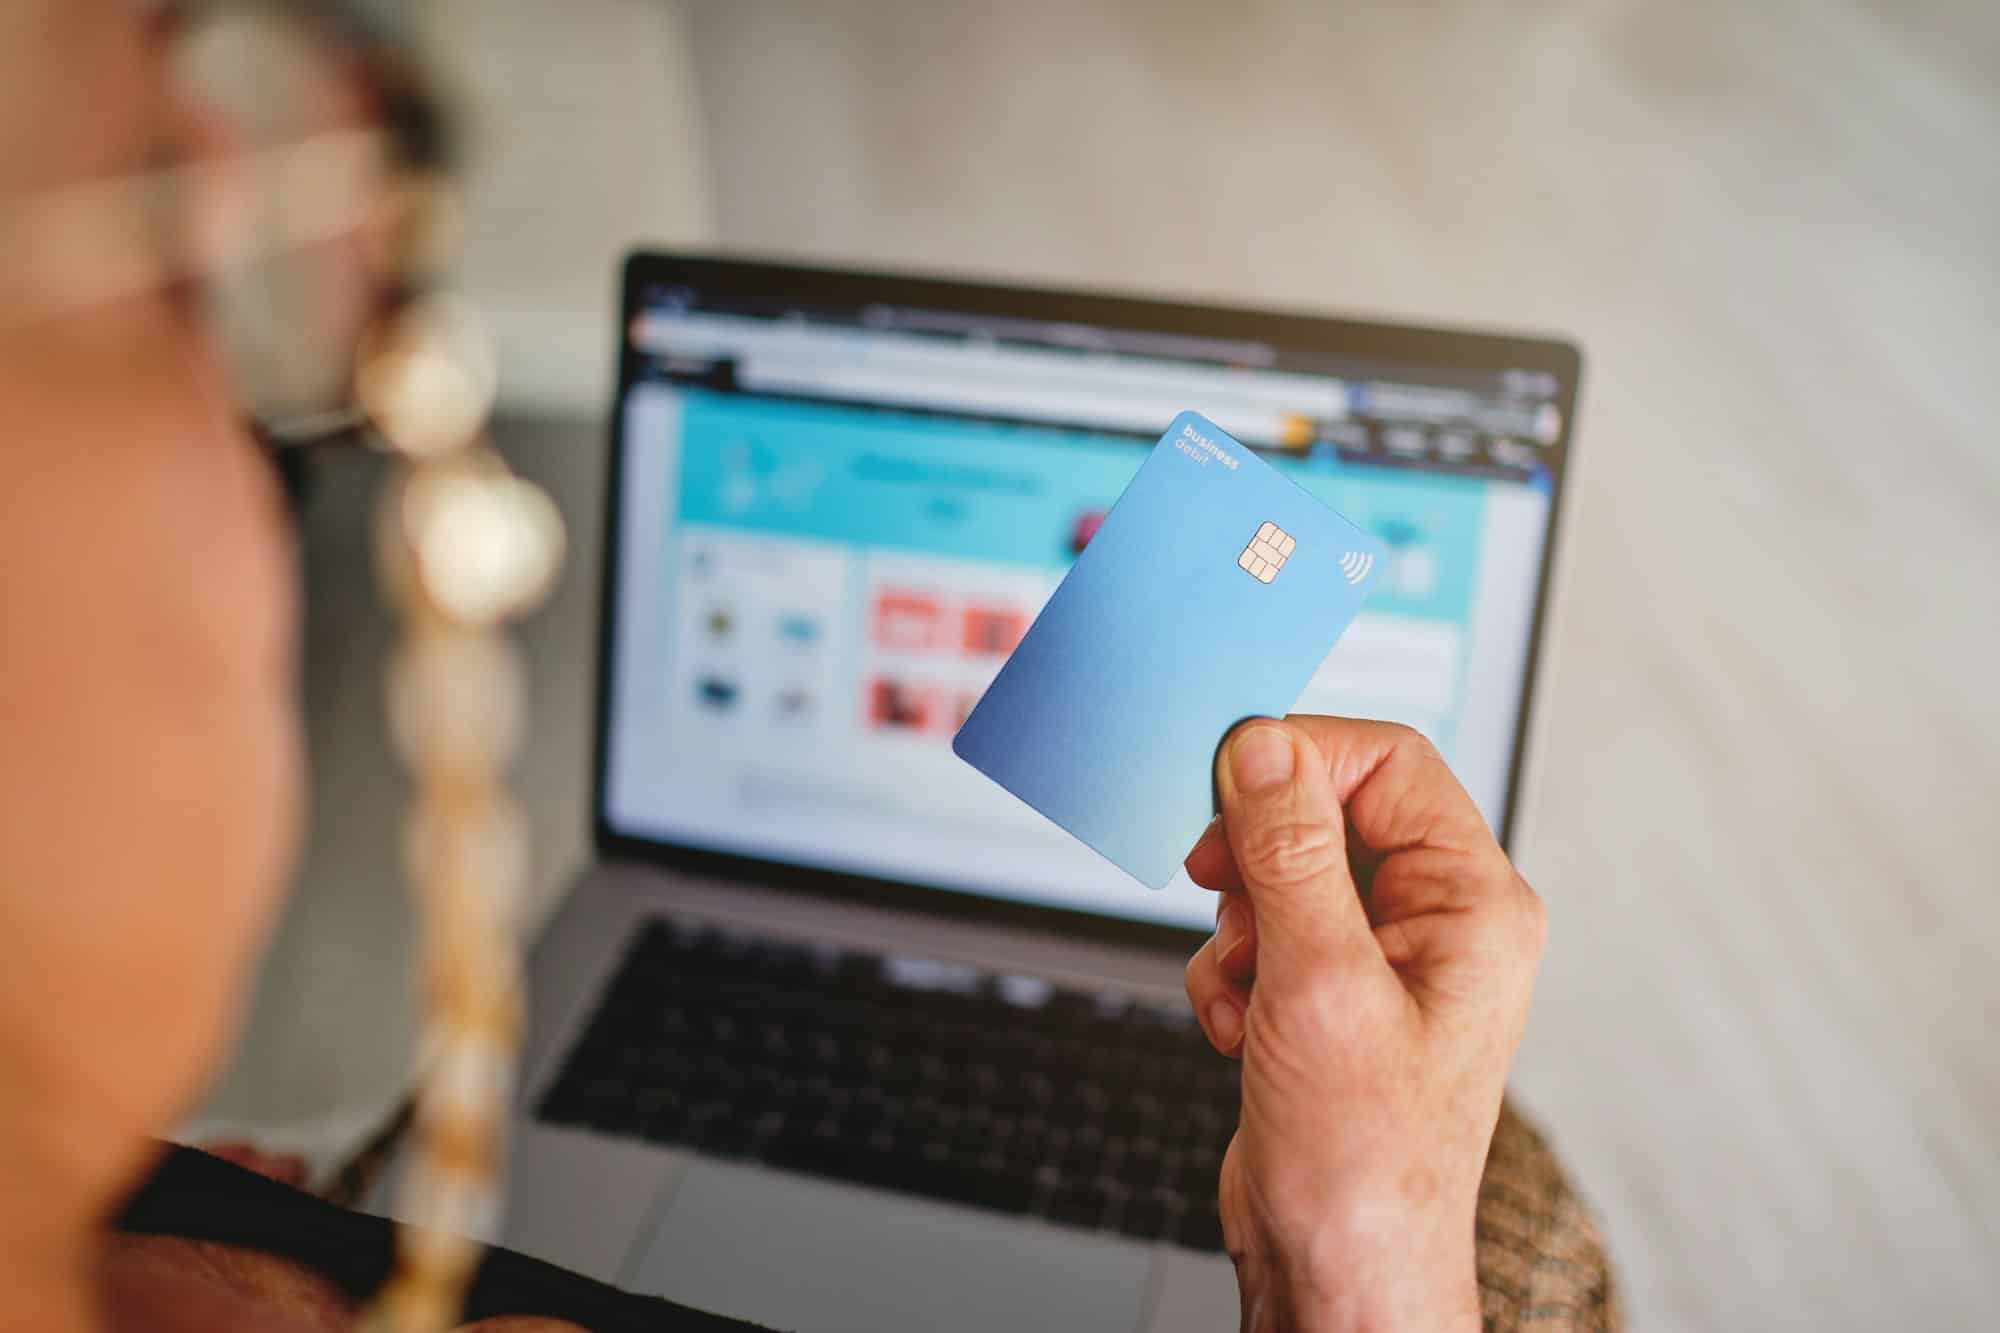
[
  {"x": 1076, "y": 1203},
  {"x": 1201, "y": 1172},
  {"x": 1151, "y": 1215}
]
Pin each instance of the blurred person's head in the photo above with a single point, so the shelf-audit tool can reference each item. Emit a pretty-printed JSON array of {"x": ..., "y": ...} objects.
[{"x": 149, "y": 771}]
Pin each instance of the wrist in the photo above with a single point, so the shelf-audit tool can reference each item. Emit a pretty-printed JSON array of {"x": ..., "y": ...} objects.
[
  {"x": 1433, "y": 1300},
  {"x": 1384, "y": 1270}
]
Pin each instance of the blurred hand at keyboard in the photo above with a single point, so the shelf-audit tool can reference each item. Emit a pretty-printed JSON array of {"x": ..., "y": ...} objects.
[{"x": 1372, "y": 965}]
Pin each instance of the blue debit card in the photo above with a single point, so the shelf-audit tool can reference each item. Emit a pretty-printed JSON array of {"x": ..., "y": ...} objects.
[{"x": 1211, "y": 593}]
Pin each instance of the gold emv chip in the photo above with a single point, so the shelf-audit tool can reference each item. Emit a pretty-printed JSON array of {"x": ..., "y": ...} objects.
[{"x": 1266, "y": 553}]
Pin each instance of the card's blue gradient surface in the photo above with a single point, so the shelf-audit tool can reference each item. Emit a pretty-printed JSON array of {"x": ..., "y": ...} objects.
[{"x": 1107, "y": 715}]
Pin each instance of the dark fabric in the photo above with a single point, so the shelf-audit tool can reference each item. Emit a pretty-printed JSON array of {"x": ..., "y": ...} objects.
[{"x": 198, "y": 1197}]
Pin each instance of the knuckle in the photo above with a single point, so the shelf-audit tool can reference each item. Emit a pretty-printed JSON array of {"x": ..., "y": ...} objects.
[
  {"x": 1302, "y": 1015},
  {"x": 1415, "y": 742},
  {"x": 1320, "y": 995},
  {"x": 1281, "y": 853}
]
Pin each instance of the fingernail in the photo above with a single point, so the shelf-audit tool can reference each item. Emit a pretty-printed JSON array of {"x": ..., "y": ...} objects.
[
  {"x": 1229, "y": 932},
  {"x": 1225, "y": 1025},
  {"x": 1260, "y": 758}
]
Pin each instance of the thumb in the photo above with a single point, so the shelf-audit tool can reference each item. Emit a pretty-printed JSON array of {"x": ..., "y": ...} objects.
[{"x": 1288, "y": 838}]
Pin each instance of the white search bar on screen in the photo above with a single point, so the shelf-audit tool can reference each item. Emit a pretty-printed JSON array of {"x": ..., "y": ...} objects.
[
  {"x": 1106, "y": 407},
  {"x": 1060, "y": 388}
]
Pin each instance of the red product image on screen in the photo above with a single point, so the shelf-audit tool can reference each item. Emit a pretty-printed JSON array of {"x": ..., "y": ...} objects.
[
  {"x": 992, "y": 631},
  {"x": 962, "y": 706},
  {"x": 898, "y": 705},
  {"x": 1084, "y": 529},
  {"x": 910, "y": 622}
]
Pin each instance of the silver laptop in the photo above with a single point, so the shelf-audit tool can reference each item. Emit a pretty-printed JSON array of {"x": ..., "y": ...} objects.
[{"x": 836, "y": 1035}]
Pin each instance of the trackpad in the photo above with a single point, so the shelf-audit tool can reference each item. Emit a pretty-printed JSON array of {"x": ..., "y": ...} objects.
[{"x": 822, "y": 1257}]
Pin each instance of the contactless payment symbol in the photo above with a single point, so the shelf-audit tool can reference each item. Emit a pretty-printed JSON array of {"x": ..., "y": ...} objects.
[
  {"x": 1267, "y": 552},
  {"x": 1354, "y": 566}
]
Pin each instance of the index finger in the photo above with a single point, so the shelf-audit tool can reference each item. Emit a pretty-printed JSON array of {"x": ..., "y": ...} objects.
[{"x": 1398, "y": 791}]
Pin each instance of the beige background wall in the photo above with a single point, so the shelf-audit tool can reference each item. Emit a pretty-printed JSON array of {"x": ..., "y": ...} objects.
[
  {"x": 1770, "y": 726},
  {"x": 586, "y": 134}
]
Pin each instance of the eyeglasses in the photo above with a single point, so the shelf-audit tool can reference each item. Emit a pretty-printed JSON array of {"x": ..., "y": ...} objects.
[
  {"x": 305, "y": 199},
  {"x": 310, "y": 223}
]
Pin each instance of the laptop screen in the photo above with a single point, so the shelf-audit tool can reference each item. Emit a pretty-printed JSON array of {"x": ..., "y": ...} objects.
[{"x": 839, "y": 502}]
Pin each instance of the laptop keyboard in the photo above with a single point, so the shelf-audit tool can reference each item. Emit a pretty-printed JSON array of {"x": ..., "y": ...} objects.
[{"x": 933, "y": 1079}]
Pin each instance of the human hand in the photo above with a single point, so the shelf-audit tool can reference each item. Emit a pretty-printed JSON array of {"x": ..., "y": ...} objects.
[{"x": 1372, "y": 965}]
